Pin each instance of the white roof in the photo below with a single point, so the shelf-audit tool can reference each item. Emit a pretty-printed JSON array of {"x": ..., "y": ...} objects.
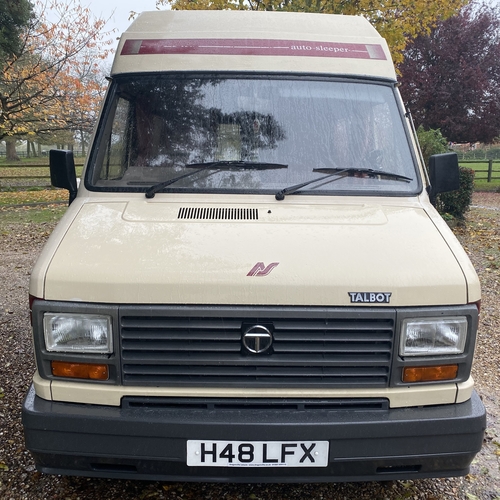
[{"x": 251, "y": 41}]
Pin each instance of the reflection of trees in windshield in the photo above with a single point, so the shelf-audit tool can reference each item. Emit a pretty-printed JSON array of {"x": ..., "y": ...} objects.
[
  {"x": 170, "y": 124},
  {"x": 165, "y": 119}
]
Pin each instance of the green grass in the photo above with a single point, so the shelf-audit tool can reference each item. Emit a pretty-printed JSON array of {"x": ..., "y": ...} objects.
[
  {"x": 29, "y": 215},
  {"x": 481, "y": 178},
  {"x": 24, "y": 161},
  {"x": 487, "y": 186}
]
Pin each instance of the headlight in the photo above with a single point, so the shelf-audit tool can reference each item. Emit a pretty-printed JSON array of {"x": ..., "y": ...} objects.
[
  {"x": 66, "y": 332},
  {"x": 433, "y": 336}
]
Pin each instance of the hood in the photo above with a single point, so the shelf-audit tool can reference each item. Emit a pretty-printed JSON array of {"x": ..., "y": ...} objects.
[{"x": 157, "y": 252}]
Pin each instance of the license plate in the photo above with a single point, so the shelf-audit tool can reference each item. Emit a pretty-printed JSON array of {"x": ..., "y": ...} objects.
[{"x": 257, "y": 453}]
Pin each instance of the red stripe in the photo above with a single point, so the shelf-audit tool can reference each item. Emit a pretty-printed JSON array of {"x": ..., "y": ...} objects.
[{"x": 252, "y": 47}]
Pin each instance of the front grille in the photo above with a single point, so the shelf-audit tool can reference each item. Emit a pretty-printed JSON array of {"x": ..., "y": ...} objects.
[{"x": 310, "y": 348}]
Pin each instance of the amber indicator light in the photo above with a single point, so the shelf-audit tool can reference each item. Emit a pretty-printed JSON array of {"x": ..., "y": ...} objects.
[
  {"x": 429, "y": 373},
  {"x": 79, "y": 370}
]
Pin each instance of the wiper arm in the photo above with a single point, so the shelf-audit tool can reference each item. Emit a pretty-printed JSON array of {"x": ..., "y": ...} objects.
[
  {"x": 280, "y": 195},
  {"x": 214, "y": 165},
  {"x": 150, "y": 193},
  {"x": 341, "y": 172}
]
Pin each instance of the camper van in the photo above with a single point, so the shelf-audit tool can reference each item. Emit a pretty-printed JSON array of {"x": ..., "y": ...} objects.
[{"x": 251, "y": 282}]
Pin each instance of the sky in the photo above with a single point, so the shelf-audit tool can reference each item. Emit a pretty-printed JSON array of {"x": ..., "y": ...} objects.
[{"x": 118, "y": 11}]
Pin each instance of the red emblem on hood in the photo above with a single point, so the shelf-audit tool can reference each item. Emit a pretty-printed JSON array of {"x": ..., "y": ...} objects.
[{"x": 260, "y": 269}]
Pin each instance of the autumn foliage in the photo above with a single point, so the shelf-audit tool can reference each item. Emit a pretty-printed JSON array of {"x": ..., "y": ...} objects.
[
  {"x": 54, "y": 82},
  {"x": 451, "y": 77}
]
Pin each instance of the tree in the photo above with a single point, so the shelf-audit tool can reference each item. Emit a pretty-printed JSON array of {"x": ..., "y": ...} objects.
[
  {"x": 451, "y": 78},
  {"x": 49, "y": 78},
  {"x": 81, "y": 98},
  {"x": 15, "y": 15},
  {"x": 397, "y": 21}
]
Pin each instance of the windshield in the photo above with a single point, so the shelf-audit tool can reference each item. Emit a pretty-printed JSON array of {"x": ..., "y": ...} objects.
[{"x": 157, "y": 126}]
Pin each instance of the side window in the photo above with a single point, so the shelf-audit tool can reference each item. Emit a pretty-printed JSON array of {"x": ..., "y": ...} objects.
[
  {"x": 387, "y": 153},
  {"x": 116, "y": 153}
]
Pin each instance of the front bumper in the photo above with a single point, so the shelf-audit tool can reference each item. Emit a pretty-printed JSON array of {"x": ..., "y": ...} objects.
[{"x": 149, "y": 442}]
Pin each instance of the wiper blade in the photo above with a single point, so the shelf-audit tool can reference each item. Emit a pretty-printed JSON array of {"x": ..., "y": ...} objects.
[
  {"x": 237, "y": 165},
  {"x": 214, "y": 165},
  {"x": 341, "y": 173},
  {"x": 370, "y": 171}
]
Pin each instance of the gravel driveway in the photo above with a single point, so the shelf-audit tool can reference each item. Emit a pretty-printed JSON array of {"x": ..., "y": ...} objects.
[{"x": 20, "y": 243}]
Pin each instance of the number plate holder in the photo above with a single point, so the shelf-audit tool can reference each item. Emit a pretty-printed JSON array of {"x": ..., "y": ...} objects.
[{"x": 257, "y": 453}]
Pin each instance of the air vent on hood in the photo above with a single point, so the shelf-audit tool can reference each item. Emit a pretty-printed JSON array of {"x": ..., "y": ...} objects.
[{"x": 218, "y": 213}]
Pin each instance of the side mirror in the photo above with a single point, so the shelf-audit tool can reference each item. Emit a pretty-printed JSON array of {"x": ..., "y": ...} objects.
[
  {"x": 444, "y": 174},
  {"x": 62, "y": 171}
]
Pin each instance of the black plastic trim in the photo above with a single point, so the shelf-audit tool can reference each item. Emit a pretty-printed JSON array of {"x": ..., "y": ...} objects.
[
  {"x": 135, "y": 443},
  {"x": 251, "y": 404}
]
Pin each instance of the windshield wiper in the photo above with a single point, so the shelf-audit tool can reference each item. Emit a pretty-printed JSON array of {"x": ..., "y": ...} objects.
[
  {"x": 341, "y": 173},
  {"x": 358, "y": 170},
  {"x": 237, "y": 165},
  {"x": 217, "y": 166}
]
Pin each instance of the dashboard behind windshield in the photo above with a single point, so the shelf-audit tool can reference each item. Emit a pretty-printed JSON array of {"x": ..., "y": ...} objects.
[{"x": 156, "y": 126}]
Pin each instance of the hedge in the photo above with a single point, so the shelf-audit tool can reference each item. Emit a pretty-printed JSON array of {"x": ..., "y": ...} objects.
[{"x": 456, "y": 203}]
